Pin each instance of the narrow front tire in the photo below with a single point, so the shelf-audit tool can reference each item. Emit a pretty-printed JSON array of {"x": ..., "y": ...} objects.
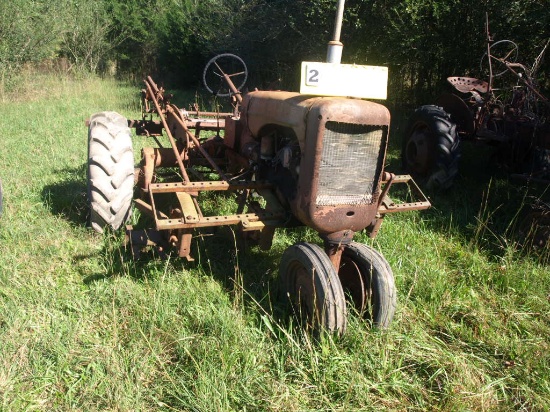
[
  {"x": 367, "y": 278},
  {"x": 309, "y": 281}
]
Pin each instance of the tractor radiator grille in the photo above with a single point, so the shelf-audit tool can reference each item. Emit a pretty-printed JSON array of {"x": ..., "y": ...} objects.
[{"x": 351, "y": 163}]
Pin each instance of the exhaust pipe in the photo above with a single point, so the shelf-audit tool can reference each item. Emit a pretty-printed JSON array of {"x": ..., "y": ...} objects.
[{"x": 335, "y": 46}]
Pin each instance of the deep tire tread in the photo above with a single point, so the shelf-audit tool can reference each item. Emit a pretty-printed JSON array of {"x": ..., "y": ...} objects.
[
  {"x": 443, "y": 136},
  {"x": 110, "y": 170}
]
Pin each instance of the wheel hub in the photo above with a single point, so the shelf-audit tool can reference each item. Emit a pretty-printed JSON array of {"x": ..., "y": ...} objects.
[{"x": 417, "y": 152}]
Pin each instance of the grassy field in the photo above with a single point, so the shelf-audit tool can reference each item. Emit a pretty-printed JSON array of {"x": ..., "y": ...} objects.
[{"x": 84, "y": 328}]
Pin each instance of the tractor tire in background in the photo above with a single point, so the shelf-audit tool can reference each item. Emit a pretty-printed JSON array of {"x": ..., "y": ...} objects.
[
  {"x": 110, "y": 171},
  {"x": 431, "y": 148}
]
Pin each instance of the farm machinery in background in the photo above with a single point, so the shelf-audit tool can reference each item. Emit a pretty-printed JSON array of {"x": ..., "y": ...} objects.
[
  {"x": 514, "y": 120},
  {"x": 289, "y": 159}
]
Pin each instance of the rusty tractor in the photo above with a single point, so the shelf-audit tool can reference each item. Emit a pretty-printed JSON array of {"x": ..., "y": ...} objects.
[
  {"x": 515, "y": 120},
  {"x": 288, "y": 159}
]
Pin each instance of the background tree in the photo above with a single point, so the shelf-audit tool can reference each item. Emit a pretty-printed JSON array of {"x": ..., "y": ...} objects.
[
  {"x": 85, "y": 40},
  {"x": 422, "y": 41},
  {"x": 29, "y": 33}
]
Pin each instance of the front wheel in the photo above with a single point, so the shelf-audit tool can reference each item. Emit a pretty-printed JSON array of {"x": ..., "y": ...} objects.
[
  {"x": 310, "y": 283},
  {"x": 367, "y": 278},
  {"x": 110, "y": 171},
  {"x": 431, "y": 148}
]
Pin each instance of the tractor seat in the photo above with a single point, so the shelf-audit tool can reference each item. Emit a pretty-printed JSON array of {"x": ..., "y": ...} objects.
[{"x": 468, "y": 84}]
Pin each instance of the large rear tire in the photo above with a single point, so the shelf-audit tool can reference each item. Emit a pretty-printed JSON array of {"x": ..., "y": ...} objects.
[
  {"x": 310, "y": 282},
  {"x": 110, "y": 171},
  {"x": 431, "y": 148},
  {"x": 367, "y": 278}
]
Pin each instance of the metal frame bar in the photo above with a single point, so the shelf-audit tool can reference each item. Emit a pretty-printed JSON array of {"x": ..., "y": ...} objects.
[{"x": 388, "y": 206}]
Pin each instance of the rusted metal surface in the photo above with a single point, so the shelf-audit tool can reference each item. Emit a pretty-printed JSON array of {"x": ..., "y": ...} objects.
[
  {"x": 516, "y": 125},
  {"x": 138, "y": 240},
  {"x": 468, "y": 84},
  {"x": 155, "y": 128},
  {"x": 335, "y": 244},
  {"x": 197, "y": 144},
  {"x": 314, "y": 161},
  {"x": 184, "y": 238},
  {"x": 334, "y": 253},
  {"x": 152, "y": 159},
  {"x": 387, "y": 205},
  {"x": 286, "y": 160},
  {"x": 150, "y": 87},
  {"x": 348, "y": 139},
  {"x": 271, "y": 219},
  {"x": 461, "y": 113},
  {"x": 288, "y": 110},
  {"x": 506, "y": 111},
  {"x": 208, "y": 186}
]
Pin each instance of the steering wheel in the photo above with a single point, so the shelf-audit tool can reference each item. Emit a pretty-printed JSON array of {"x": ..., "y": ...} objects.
[
  {"x": 216, "y": 70},
  {"x": 502, "y": 50}
]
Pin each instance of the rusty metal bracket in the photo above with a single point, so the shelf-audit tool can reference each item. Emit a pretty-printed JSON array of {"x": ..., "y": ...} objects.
[
  {"x": 387, "y": 205},
  {"x": 150, "y": 85},
  {"x": 192, "y": 217},
  {"x": 138, "y": 240},
  {"x": 196, "y": 142}
]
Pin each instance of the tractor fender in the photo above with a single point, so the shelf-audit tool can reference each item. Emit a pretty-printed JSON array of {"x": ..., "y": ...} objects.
[
  {"x": 262, "y": 109},
  {"x": 460, "y": 112}
]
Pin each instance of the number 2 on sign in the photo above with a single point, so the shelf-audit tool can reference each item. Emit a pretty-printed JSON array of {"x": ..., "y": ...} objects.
[{"x": 312, "y": 78}]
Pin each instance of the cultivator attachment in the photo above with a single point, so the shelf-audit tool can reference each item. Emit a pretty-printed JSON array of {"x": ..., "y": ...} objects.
[{"x": 278, "y": 159}]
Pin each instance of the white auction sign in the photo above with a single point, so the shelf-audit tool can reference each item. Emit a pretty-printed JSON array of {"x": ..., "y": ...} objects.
[{"x": 346, "y": 80}]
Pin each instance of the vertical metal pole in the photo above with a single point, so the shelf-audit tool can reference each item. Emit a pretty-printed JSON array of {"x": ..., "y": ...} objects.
[
  {"x": 335, "y": 46},
  {"x": 338, "y": 21},
  {"x": 489, "y": 59}
]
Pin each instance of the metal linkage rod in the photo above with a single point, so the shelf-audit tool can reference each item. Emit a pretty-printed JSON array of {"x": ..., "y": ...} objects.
[
  {"x": 168, "y": 133},
  {"x": 197, "y": 143}
]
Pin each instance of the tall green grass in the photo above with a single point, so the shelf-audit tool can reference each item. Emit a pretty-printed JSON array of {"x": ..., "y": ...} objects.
[{"x": 83, "y": 327}]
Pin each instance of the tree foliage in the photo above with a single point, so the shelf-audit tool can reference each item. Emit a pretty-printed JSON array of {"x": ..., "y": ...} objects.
[
  {"x": 86, "y": 42},
  {"x": 30, "y": 31},
  {"x": 422, "y": 41}
]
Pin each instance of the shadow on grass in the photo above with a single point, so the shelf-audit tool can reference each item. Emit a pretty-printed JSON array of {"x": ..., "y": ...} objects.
[
  {"x": 248, "y": 276},
  {"x": 247, "y": 273},
  {"x": 481, "y": 207},
  {"x": 67, "y": 197}
]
